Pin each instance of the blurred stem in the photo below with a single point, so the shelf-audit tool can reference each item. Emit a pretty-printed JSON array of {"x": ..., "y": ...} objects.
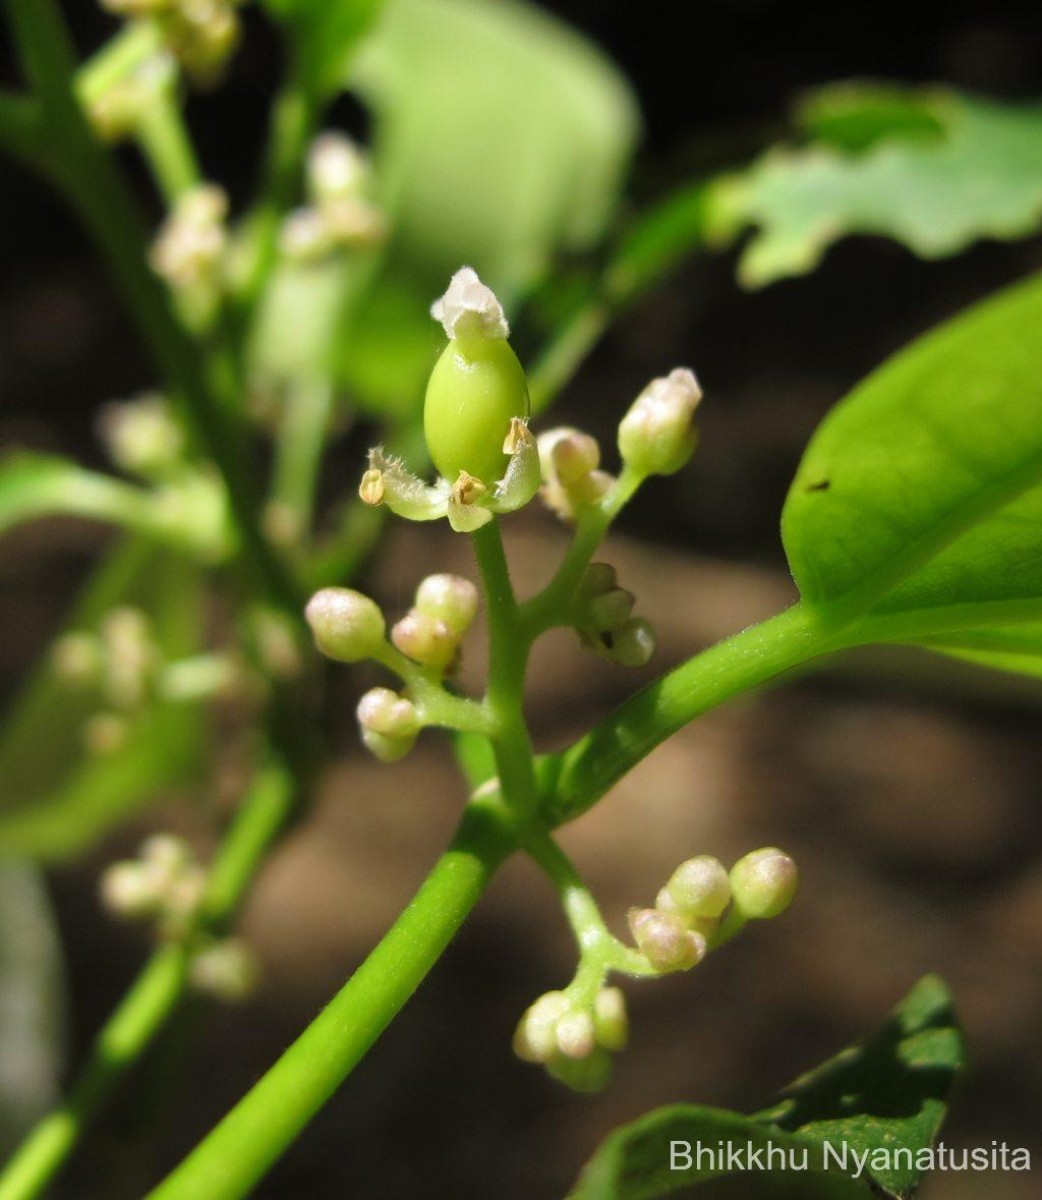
[
  {"x": 294, "y": 115},
  {"x": 158, "y": 990},
  {"x": 299, "y": 446},
  {"x": 254, "y": 1135},
  {"x": 165, "y": 143},
  {"x": 94, "y": 188},
  {"x": 21, "y": 128}
]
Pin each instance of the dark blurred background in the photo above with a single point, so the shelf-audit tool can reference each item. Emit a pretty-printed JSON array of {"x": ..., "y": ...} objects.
[{"x": 906, "y": 786}]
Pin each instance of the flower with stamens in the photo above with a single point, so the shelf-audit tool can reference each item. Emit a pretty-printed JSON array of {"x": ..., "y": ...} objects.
[{"x": 475, "y": 422}]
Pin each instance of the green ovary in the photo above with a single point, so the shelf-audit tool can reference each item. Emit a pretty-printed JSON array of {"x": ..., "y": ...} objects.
[{"x": 475, "y": 389}]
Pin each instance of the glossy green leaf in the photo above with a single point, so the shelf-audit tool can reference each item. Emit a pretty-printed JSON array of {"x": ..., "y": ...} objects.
[
  {"x": 979, "y": 176},
  {"x": 43, "y": 485},
  {"x": 873, "y": 1099},
  {"x": 55, "y": 795},
  {"x": 1016, "y": 648},
  {"x": 922, "y": 491},
  {"x": 31, "y": 1003}
]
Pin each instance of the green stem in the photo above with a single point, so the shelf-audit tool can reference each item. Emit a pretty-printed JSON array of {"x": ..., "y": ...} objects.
[
  {"x": 165, "y": 143},
  {"x": 157, "y": 992},
  {"x": 21, "y": 128},
  {"x": 302, "y": 437},
  {"x": 508, "y": 658},
  {"x": 243, "y": 1147},
  {"x": 573, "y": 781}
]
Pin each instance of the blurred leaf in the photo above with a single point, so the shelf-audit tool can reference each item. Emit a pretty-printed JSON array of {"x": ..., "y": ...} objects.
[
  {"x": 887, "y": 1093},
  {"x": 501, "y": 138},
  {"x": 980, "y": 176},
  {"x": 31, "y": 1003},
  {"x": 854, "y": 116},
  {"x": 43, "y": 485},
  {"x": 922, "y": 490},
  {"x": 325, "y": 33},
  {"x": 55, "y": 796},
  {"x": 1017, "y": 648}
]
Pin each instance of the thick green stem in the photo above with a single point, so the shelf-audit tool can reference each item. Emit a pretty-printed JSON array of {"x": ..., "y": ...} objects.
[
  {"x": 573, "y": 781},
  {"x": 242, "y": 1148},
  {"x": 157, "y": 992}
]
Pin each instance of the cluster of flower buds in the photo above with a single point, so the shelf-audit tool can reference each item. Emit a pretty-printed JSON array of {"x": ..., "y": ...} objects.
[
  {"x": 676, "y": 934},
  {"x": 116, "y": 109},
  {"x": 574, "y": 1041},
  {"x": 603, "y": 617},
  {"x": 475, "y": 420},
  {"x": 141, "y": 436},
  {"x": 340, "y": 213},
  {"x": 569, "y": 465},
  {"x": 164, "y": 885},
  {"x": 202, "y": 34},
  {"x": 190, "y": 247},
  {"x": 226, "y": 969},
  {"x": 349, "y": 627},
  {"x": 122, "y": 661}
]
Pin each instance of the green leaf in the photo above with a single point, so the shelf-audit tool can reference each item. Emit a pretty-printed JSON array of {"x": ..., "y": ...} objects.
[
  {"x": 31, "y": 1003},
  {"x": 940, "y": 172},
  {"x": 855, "y": 116},
  {"x": 921, "y": 493},
  {"x": 1017, "y": 648},
  {"x": 881, "y": 1103},
  {"x": 42, "y": 485},
  {"x": 500, "y": 138},
  {"x": 55, "y": 796}
]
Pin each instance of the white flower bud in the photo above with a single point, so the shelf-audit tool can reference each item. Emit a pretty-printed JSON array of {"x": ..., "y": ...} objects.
[
  {"x": 383, "y": 711},
  {"x": 589, "y": 1074},
  {"x": 191, "y": 243},
  {"x": 633, "y": 644},
  {"x": 305, "y": 236},
  {"x": 141, "y": 436},
  {"x": 657, "y": 436},
  {"x": 426, "y": 640},
  {"x": 576, "y": 1036},
  {"x": 336, "y": 169},
  {"x": 77, "y": 658},
  {"x": 699, "y": 887},
  {"x": 610, "y": 1019},
  {"x": 763, "y": 883},
  {"x": 573, "y": 457},
  {"x": 227, "y": 970},
  {"x": 348, "y": 626},
  {"x": 664, "y": 941},
  {"x": 470, "y": 309},
  {"x": 131, "y": 657},
  {"x": 449, "y": 598},
  {"x": 130, "y": 890},
  {"x": 354, "y": 222},
  {"x": 535, "y": 1039}
]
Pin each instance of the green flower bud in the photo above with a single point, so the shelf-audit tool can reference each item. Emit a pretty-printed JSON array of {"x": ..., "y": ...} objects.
[
  {"x": 477, "y": 385},
  {"x": 664, "y": 941},
  {"x": 763, "y": 883},
  {"x": 657, "y": 435},
  {"x": 610, "y": 1020},
  {"x": 347, "y": 625},
  {"x": 699, "y": 887},
  {"x": 386, "y": 749},
  {"x": 589, "y": 1074},
  {"x": 597, "y": 579},
  {"x": 573, "y": 457},
  {"x": 227, "y": 970},
  {"x": 448, "y": 598},
  {"x": 633, "y": 644},
  {"x": 609, "y": 611}
]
